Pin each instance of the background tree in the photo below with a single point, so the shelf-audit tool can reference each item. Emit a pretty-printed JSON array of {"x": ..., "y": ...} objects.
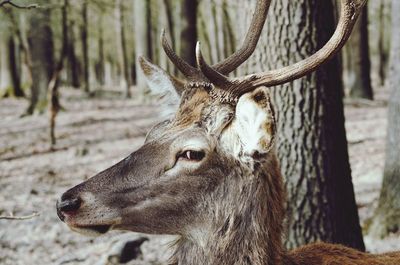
[
  {"x": 53, "y": 96},
  {"x": 356, "y": 62},
  {"x": 73, "y": 61},
  {"x": 85, "y": 47},
  {"x": 312, "y": 143},
  {"x": 387, "y": 214},
  {"x": 40, "y": 39},
  {"x": 124, "y": 49},
  {"x": 5, "y": 73},
  {"x": 379, "y": 13},
  {"x": 189, "y": 30},
  {"x": 143, "y": 41},
  {"x": 14, "y": 56}
]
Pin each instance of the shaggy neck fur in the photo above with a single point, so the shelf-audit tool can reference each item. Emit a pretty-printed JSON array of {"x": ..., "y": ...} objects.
[{"x": 244, "y": 221}]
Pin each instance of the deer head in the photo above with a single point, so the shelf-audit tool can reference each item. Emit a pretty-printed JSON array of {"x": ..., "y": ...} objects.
[{"x": 209, "y": 162}]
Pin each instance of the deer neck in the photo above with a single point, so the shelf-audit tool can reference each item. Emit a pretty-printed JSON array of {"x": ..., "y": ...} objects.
[{"x": 245, "y": 226}]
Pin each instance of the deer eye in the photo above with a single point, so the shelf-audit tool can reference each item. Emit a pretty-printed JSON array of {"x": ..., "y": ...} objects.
[{"x": 192, "y": 155}]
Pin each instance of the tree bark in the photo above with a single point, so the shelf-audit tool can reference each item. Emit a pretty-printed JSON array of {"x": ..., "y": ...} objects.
[
  {"x": 171, "y": 28},
  {"x": 125, "y": 61},
  {"x": 5, "y": 82},
  {"x": 384, "y": 38},
  {"x": 387, "y": 214},
  {"x": 40, "y": 40},
  {"x": 85, "y": 48},
  {"x": 23, "y": 43},
  {"x": 53, "y": 96},
  {"x": 357, "y": 65},
  {"x": 312, "y": 144},
  {"x": 73, "y": 62},
  {"x": 189, "y": 31},
  {"x": 100, "y": 68},
  {"x": 143, "y": 45},
  {"x": 14, "y": 61}
]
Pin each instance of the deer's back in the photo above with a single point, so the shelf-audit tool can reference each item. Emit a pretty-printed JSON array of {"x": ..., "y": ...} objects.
[{"x": 330, "y": 254}]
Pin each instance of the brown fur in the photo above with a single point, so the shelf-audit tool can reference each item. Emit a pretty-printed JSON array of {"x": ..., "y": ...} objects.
[
  {"x": 191, "y": 107},
  {"x": 330, "y": 254},
  {"x": 227, "y": 209},
  {"x": 257, "y": 240}
]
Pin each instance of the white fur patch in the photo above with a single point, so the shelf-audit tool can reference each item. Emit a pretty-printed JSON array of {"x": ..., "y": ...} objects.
[
  {"x": 250, "y": 131},
  {"x": 199, "y": 236}
]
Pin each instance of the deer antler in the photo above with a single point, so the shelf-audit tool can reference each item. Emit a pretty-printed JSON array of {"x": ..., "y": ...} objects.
[
  {"x": 350, "y": 10},
  {"x": 233, "y": 61}
]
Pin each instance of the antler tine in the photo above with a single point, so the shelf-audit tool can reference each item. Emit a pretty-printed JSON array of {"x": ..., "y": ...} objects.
[
  {"x": 250, "y": 42},
  {"x": 186, "y": 69},
  {"x": 350, "y": 10},
  {"x": 214, "y": 76},
  {"x": 237, "y": 58}
]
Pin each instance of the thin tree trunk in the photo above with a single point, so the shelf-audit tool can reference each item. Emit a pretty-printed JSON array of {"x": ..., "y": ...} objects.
[
  {"x": 23, "y": 43},
  {"x": 384, "y": 38},
  {"x": 53, "y": 96},
  {"x": 40, "y": 40},
  {"x": 85, "y": 48},
  {"x": 101, "y": 63},
  {"x": 229, "y": 36},
  {"x": 5, "y": 76},
  {"x": 72, "y": 59},
  {"x": 13, "y": 56},
  {"x": 125, "y": 61},
  {"x": 312, "y": 144},
  {"x": 143, "y": 46},
  {"x": 357, "y": 65},
  {"x": 189, "y": 31},
  {"x": 387, "y": 214},
  {"x": 169, "y": 15}
]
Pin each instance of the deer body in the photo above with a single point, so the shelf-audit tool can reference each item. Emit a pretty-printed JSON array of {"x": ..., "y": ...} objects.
[{"x": 209, "y": 173}]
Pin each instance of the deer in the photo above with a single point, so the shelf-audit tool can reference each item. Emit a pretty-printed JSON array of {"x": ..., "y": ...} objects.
[{"x": 209, "y": 174}]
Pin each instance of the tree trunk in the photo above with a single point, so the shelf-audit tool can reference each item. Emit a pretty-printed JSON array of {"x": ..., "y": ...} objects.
[
  {"x": 85, "y": 48},
  {"x": 73, "y": 62},
  {"x": 5, "y": 76},
  {"x": 100, "y": 67},
  {"x": 384, "y": 38},
  {"x": 23, "y": 43},
  {"x": 40, "y": 40},
  {"x": 15, "y": 69},
  {"x": 356, "y": 61},
  {"x": 53, "y": 96},
  {"x": 143, "y": 45},
  {"x": 189, "y": 31},
  {"x": 312, "y": 144},
  {"x": 387, "y": 214},
  {"x": 171, "y": 28},
  {"x": 125, "y": 62}
]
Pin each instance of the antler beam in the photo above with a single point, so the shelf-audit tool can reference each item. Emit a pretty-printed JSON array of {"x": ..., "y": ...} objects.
[
  {"x": 233, "y": 61},
  {"x": 350, "y": 10}
]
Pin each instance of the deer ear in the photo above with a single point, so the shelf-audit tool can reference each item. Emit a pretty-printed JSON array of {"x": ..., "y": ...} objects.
[
  {"x": 252, "y": 131},
  {"x": 162, "y": 84}
]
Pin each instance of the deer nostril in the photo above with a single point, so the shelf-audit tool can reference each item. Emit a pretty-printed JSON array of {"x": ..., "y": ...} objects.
[{"x": 69, "y": 205}]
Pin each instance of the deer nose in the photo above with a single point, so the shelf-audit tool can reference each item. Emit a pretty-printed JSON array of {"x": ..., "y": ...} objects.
[{"x": 67, "y": 206}]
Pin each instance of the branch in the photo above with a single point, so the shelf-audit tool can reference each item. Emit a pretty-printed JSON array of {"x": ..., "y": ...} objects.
[
  {"x": 11, "y": 3},
  {"x": 12, "y": 217}
]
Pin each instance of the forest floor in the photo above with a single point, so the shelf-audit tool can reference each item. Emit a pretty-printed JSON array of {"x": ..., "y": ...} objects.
[{"x": 93, "y": 134}]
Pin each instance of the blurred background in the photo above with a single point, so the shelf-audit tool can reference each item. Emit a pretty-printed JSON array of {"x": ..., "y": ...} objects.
[{"x": 73, "y": 102}]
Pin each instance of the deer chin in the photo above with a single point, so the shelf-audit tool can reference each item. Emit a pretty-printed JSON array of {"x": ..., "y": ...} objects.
[
  {"x": 88, "y": 227},
  {"x": 91, "y": 230}
]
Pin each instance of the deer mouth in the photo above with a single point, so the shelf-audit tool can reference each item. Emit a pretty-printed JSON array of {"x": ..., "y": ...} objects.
[
  {"x": 91, "y": 230},
  {"x": 102, "y": 229}
]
